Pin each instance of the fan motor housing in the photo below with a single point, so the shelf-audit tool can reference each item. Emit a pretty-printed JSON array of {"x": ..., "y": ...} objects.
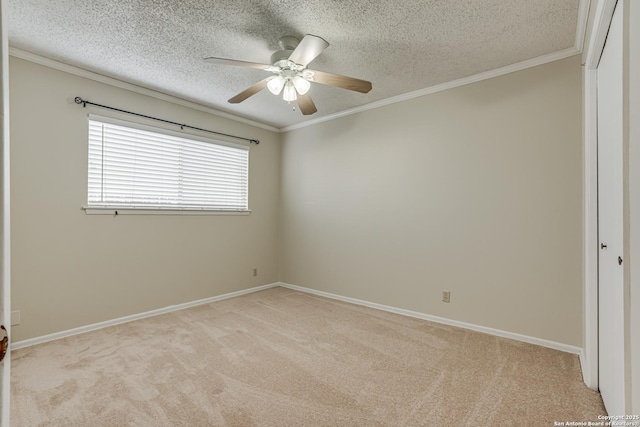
[
  {"x": 281, "y": 55},
  {"x": 288, "y": 42},
  {"x": 287, "y": 46}
]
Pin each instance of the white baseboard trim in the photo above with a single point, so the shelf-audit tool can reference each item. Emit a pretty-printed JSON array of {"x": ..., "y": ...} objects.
[
  {"x": 496, "y": 332},
  {"x": 584, "y": 368},
  {"x": 125, "y": 319}
]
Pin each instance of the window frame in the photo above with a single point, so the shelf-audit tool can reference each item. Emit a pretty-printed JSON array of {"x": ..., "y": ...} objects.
[{"x": 106, "y": 209}]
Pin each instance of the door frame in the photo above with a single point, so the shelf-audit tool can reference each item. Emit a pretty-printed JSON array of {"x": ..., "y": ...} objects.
[
  {"x": 602, "y": 20},
  {"x": 5, "y": 227}
]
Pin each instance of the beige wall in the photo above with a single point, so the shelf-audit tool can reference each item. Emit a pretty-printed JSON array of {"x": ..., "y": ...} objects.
[
  {"x": 476, "y": 190},
  {"x": 71, "y": 269}
]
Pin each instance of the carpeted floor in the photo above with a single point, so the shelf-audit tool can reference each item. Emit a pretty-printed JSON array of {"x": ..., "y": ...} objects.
[{"x": 284, "y": 358}]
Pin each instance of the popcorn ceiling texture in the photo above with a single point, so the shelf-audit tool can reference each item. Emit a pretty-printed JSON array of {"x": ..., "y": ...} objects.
[{"x": 400, "y": 46}]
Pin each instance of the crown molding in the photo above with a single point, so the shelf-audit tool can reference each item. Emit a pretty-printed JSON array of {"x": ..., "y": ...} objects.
[
  {"x": 519, "y": 66},
  {"x": 534, "y": 62},
  {"x": 581, "y": 27},
  {"x": 60, "y": 66}
]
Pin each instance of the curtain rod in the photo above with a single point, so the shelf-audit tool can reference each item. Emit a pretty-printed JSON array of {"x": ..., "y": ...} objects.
[{"x": 84, "y": 103}]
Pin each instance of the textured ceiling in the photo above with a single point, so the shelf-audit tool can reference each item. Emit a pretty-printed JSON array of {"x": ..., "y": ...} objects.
[{"x": 400, "y": 46}]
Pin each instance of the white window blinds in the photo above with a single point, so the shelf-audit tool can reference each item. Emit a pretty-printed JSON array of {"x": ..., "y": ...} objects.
[{"x": 135, "y": 166}]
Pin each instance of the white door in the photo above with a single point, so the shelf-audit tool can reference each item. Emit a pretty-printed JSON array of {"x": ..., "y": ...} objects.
[
  {"x": 610, "y": 220},
  {"x": 5, "y": 261}
]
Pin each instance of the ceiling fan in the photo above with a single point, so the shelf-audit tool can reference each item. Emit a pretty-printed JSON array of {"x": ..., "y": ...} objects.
[{"x": 292, "y": 77}]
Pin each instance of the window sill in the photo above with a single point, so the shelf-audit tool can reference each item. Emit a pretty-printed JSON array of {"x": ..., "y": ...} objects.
[{"x": 93, "y": 210}]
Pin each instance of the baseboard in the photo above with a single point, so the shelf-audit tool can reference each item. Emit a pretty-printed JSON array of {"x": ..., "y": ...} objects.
[
  {"x": 125, "y": 319},
  {"x": 496, "y": 332},
  {"x": 589, "y": 376}
]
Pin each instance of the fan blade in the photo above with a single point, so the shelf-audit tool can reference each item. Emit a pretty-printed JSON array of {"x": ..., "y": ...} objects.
[
  {"x": 344, "y": 82},
  {"x": 250, "y": 91},
  {"x": 223, "y": 61},
  {"x": 306, "y": 104},
  {"x": 308, "y": 49}
]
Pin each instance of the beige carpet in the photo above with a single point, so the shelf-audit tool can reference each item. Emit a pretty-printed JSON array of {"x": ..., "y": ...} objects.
[{"x": 285, "y": 358}]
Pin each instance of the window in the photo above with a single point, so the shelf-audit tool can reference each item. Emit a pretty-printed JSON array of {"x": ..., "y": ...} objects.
[{"x": 134, "y": 167}]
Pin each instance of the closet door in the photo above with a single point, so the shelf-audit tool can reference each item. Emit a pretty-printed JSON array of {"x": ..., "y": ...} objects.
[{"x": 610, "y": 220}]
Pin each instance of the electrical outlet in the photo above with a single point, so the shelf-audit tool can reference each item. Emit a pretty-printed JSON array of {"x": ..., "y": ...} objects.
[
  {"x": 255, "y": 272},
  {"x": 15, "y": 318},
  {"x": 446, "y": 296}
]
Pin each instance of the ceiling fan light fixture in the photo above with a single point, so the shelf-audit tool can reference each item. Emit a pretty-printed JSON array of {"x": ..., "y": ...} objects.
[
  {"x": 289, "y": 92},
  {"x": 301, "y": 85},
  {"x": 292, "y": 78},
  {"x": 276, "y": 84}
]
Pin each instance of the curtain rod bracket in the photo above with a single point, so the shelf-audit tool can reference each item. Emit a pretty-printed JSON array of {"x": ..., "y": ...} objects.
[
  {"x": 84, "y": 103},
  {"x": 80, "y": 101}
]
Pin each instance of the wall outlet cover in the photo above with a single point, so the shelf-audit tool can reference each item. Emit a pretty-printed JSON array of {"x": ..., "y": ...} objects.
[
  {"x": 15, "y": 317},
  {"x": 446, "y": 296}
]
